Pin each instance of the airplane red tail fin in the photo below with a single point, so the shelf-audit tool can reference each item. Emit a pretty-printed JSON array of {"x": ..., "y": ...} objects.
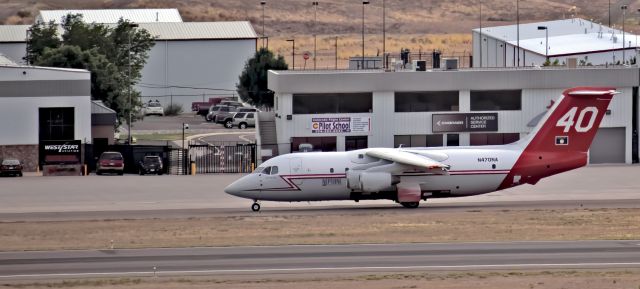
[
  {"x": 560, "y": 141},
  {"x": 573, "y": 121}
]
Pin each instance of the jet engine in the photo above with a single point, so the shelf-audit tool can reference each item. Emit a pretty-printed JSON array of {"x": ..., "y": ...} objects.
[{"x": 369, "y": 182}]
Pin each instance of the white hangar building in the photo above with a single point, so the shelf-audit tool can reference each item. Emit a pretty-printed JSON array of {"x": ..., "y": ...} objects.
[
  {"x": 588, "y": 42},
  {"x": 42, "y": 104},
  {"x": 190, "y": 61},
  {"x": 389, "y": 109}
]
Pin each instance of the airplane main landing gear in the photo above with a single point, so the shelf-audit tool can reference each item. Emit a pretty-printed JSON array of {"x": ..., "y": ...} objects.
[
  {"x": 255, "y": 207},
  {"x": 410, "y": 205}
]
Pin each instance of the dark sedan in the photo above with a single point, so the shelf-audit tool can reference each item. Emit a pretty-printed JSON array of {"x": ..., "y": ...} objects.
[{"x": 11, "y": 167}]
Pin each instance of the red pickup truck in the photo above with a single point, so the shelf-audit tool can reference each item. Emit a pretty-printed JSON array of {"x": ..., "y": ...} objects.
[{"x": 203, "y": 107}]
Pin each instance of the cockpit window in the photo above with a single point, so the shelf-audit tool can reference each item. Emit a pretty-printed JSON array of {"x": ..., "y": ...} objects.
[
  {"x": 258, "y": 170},
  {"x": 274, "y": 170},
  {"x": 266, "y": 170}
]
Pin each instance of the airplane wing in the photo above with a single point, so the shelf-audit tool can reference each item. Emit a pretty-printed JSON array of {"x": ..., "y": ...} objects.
[{"x": 406, "y": 158}]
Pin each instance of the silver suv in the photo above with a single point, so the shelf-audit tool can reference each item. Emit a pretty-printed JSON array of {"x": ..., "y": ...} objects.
[
  {"x": 244, "y": 119},
  {"x": 227, "y": 119}
]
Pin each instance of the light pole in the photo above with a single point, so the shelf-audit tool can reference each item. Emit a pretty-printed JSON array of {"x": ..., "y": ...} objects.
[
  {"x": 546, "y": 42},
  {"x": 263, "y": 3},
  {"x": 624, "y": 13},
  {"x": 293, "y": 53},
  {"x": 480, "y": 40},
  {"x": 518, "y": 30},
  {"x": 315, "y": 32},
  {"x": 609, "y": 13},
  {"x": 363, "y": 4},
  {"x": 132, "y": 26},
  {"x": 336, "y": 53},
  {"x": 384, "y": 34}
]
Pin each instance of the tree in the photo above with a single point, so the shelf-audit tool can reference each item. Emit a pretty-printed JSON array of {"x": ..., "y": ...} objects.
[
  {"x": 252, "y": 87},
  {"x": 101, "y": 49}
]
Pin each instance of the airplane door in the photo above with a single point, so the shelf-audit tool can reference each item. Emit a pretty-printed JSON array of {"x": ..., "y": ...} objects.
[{"x": 295, "y": 168}]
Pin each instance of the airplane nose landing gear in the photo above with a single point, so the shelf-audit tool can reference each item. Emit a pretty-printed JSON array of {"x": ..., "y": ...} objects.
[{"x": 255, "y": 207}]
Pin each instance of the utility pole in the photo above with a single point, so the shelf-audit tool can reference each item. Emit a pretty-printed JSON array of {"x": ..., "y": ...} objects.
[
  {"x": 132, "y": 27},
  {"x": 315, "y": 32},
  {"x": 263, "y": 3}
]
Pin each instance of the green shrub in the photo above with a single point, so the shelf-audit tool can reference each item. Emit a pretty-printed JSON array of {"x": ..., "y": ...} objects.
[{"x": 173, "y": 109}]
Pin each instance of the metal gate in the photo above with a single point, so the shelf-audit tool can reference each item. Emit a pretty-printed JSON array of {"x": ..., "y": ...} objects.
[
  {"x": 209, "y": 159},
  {"x": 177, "y": 162}
]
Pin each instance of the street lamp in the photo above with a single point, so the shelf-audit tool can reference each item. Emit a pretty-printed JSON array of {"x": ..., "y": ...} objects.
[
  {"x": 363, "y": 4},
  {"x": 480, "y": 40},
  {"x": 293, "y": 53},
  {"x": 132, "y": 26},
  {"x": 518, "y": 29},
  {"x": 624, "y": 13},
  {"x": 546, "y": 43},
  {"x": 315, "y": 32},
  {"x": 263, "y": 3},
  {"x": 384, "y": 35}
]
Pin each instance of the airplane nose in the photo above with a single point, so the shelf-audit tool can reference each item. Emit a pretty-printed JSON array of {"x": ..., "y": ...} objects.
[{"x": 233, "y": 189}]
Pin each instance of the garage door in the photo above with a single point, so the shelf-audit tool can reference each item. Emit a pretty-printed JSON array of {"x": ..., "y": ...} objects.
[{"x": 608, "y": 146}]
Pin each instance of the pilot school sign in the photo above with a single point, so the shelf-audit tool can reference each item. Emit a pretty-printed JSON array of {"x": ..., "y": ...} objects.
[
  {"x": 464, "y": 122},
  {"x": 340, "y": 124}
]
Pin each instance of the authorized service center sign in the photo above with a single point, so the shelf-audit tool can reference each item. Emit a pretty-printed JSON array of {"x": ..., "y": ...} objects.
[
  {"x": 340, "y": 124},
  {"x": 464, "y": 122}
]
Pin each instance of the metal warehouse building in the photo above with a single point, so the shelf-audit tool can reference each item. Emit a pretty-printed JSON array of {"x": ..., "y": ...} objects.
[
  {"x": 190, "y": 61},
  {"x": 587, "y": 42},
  {"x": 345, "y": 110}
]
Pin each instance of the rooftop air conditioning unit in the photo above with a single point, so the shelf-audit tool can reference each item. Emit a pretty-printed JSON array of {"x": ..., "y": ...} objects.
[
  {"x": 419, "y": 65},
  {"x": 450, "y": 63}
]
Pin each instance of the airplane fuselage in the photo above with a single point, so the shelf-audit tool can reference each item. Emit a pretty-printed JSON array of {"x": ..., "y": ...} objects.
[{"x": 323, "y": 176}]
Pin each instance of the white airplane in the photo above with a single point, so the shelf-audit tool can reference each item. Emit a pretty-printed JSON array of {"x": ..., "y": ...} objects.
[{"x": 558, "y": 143}]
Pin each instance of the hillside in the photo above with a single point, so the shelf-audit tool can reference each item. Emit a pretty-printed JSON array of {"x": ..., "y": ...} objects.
[{"x": 420, "y": 25}]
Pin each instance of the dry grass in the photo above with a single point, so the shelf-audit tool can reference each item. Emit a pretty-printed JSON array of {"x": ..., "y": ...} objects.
[
  {"x": 495, "y": 280},
  {"x": 289, "y": 228}
]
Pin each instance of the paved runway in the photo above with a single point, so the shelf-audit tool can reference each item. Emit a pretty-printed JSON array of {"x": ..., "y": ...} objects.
[
  {"x": 321, "y": 259},
  {"x": 160, "y": 196}
]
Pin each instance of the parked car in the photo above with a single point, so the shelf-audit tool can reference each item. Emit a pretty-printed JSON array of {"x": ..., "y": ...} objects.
[
  {"x": 227, "y": 119},
  {"x": 231, "y": 103},
  {"x": 11, "y": 167},
  {"x": 212, "y": 111},
  {"x": 244, "y": 119},
  {"x": 154, "y": 108},
  {"x": 151, "y": 165},
  {"x": 110, "y": 162},
  {"x": 223, "y": 113}
]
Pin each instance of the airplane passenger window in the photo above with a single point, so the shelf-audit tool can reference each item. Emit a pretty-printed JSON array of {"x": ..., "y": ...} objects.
[
  {"x": 274, "y": 170},
  {"x": 331, "y": 170},
  {"x": 266, "y": 170}
]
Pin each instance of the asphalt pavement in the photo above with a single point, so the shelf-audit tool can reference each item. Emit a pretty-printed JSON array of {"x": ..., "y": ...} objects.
[
  {"x": 321, "y": 259},
  {"x": 157, "y": 196}
]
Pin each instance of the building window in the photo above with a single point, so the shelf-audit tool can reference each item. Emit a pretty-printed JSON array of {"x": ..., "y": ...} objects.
[
  {"x": 429, "y": 140},
  {"x": 453, "y": 139},
  {"x": 426, "y": 101},
  {"x": 479, "y": 139},
  {"x": 318, "y": 144},
  {"x": 319, "y": 103},
  {"x": 56, "y": 123},
  {"x": 496, "y": 100},
  {"x": 355, "y": 142}
]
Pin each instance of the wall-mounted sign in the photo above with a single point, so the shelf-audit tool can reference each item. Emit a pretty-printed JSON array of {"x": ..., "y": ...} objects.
[
  {"x": 340, "y": 124},
  {"x": 464, "y": 122},
  {"x": 56, "y": 152}
]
